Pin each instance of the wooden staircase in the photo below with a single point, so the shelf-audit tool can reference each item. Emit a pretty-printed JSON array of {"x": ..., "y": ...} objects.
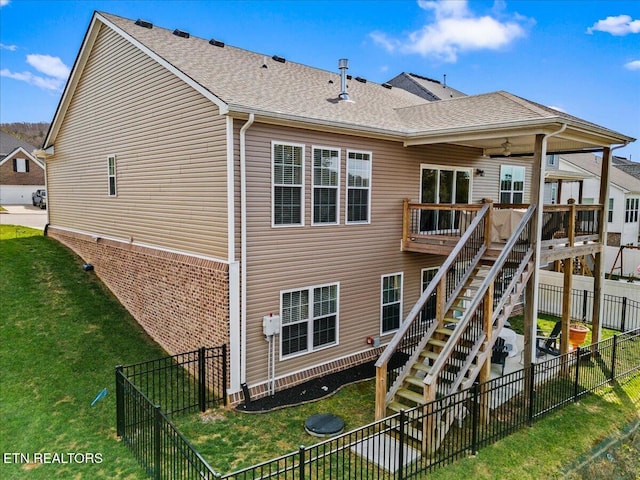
[{"x": 475, "y": 293}]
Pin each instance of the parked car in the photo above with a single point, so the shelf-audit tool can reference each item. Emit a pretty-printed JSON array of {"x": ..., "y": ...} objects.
[{"x": 39, "y": 198}]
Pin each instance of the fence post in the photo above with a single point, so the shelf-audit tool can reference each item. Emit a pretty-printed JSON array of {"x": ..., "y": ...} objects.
[
  {"x": 532, "y": 391},
  {"x": 475, "y": 417},
  {"x": 224, "y": 374},
  {"x": 157, "y": 442},
  {"x": 613, "y": 357},
  {"x": 623, "y": 325},
  {"x": 302, "y": 462},
  {"x": 400, "y": 463},
  {"x": 577, "y": 377},
  {"x": 202, "y": 380},
  {"x": 585, "y": 294},
  {"x": 119, "y": 401}
]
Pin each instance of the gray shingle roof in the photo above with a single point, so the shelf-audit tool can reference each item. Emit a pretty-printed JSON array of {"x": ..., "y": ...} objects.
[
  {"x": 8, "y": 143},
  {"x": 593, "y": 164},
  {"x": 244, "y": 82}
]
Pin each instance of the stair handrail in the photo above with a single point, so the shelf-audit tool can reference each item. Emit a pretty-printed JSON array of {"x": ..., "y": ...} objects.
[
  {"x": 391, "y": 347},
  {"x": 434, "y": 372}
]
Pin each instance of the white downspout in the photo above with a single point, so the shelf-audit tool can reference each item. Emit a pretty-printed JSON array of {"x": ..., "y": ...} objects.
[{"x": 243, "y": 248}]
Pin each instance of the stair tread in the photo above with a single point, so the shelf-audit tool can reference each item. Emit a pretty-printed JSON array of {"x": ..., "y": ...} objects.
[
  {"x": 415, "y": 397},
  {"x": 413, "y": 380},
  {"x": 429, "y": 354},
  {"x": 444, "y": 331},
  {"x": 438, "y": 343}
]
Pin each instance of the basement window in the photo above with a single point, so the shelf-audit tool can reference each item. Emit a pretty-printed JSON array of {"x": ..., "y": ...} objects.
[
  {"x": 391, "y": 302},
  {"x": 309, "y": 319}
]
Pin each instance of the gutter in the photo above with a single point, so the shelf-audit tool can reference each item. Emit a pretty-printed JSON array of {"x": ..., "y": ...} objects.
[{"x": 243, "y": 248}]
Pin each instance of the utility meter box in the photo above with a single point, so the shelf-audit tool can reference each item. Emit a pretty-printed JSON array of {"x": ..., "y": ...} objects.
[{"x": 270, "y": 324}]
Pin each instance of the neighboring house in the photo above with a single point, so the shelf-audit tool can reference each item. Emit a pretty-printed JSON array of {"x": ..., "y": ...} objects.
[
  {"x": 212, "y": 187},
  {"x": 21, "y": 173},
  {"x": 424, "y": 87},
  {"x": 627, "y": 166},
  {"x": 623, "y": 215}
]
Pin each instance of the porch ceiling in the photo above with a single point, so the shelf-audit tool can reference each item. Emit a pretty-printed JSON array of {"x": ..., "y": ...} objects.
[{"x": 522, "y": 138}]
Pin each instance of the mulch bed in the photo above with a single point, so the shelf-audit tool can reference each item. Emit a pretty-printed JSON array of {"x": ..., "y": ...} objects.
[{"x": 312, "y": 390}]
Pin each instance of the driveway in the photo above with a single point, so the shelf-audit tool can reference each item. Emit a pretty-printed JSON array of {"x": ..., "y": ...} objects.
[{"x": 25, "y": 215}]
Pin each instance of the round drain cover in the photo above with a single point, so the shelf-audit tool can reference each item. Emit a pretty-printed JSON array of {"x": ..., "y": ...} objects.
[{"x": 324, "y": 425}]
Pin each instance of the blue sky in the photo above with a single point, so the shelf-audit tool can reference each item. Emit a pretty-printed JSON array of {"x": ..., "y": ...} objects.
[{"x": 582, "y": 57}]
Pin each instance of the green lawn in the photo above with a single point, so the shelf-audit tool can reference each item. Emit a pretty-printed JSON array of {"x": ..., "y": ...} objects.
[{"x": 62, "y": 333}]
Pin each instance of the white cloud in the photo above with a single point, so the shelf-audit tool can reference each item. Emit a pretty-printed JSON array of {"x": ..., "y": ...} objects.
[
  {"x": 45, "y": 83},
  {"x": 619, "y": 26},
  {"x": 559, "y": 109},
  {"x": 54, "y": 70},
  {"x": 51, "y": 66},
  {"x": 12, "y": 48},
  {"x": 4, "y": 3},
  {"x": 456, "y": 29},
  {"x": 634, "y": 65}
]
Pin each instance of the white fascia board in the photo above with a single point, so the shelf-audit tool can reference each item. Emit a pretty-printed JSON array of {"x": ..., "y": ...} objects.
[{"x": 169, "y": 66}]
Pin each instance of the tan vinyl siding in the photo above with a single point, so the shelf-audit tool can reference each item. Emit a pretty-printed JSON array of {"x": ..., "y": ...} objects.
[
  {"x": 355, "y": 256},
  {"x": 170, "y": 149}
]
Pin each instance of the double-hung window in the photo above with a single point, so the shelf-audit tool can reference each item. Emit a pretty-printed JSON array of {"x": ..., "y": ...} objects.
[
  {"x": 391, "y": 302},
  {"x": 309, "y": 319},
  {"x": 631, "y": 210},
  {"x": 326, "y": 179},
  {"x": 610, "y": 211},
  {"x": 358, "y": 187},
  {"x": 111, "y": 174},
  {"x": 288, "y": 184},
  {"x": 511, "y": 184}
]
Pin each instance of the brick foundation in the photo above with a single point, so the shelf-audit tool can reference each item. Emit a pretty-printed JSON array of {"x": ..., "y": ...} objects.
[{"x": 182, "y": 302}]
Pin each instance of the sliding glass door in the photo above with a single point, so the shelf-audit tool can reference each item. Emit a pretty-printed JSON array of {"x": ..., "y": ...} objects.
[{"x": 443, "y": 186}]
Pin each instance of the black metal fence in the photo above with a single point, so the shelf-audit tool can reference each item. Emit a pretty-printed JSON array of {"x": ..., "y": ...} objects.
[
  {"x": 460, "y": 424},
  {"x": 147, "y": 393},
  {"x": 618, "y": 313}
]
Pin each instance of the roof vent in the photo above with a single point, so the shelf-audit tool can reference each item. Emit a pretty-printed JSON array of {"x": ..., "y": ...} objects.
[
  {"x": 343, "y": 65},
  {"x": 387, "y": 85},
  {"x": 216, "y": 43},
  {"x": 279, "y": 59},
  {"x": 180, "y": 33},
  {"x": 144, "y": 23},
  {"x": 361, "y": 80}
]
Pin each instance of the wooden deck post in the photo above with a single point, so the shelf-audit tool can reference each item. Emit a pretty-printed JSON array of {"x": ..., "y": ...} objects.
[
  {"x": 488, "y": 222},
  {"x": 531, "y": 291},
  {"x": 406, "y": 217},
  {"x": 485, "y": 370},
  {"x": 381, "y": 391},
  {"x": 568, "y": 279},
  {"x": 429, "y": 421},
  {"x": 598, "y": 271}
]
